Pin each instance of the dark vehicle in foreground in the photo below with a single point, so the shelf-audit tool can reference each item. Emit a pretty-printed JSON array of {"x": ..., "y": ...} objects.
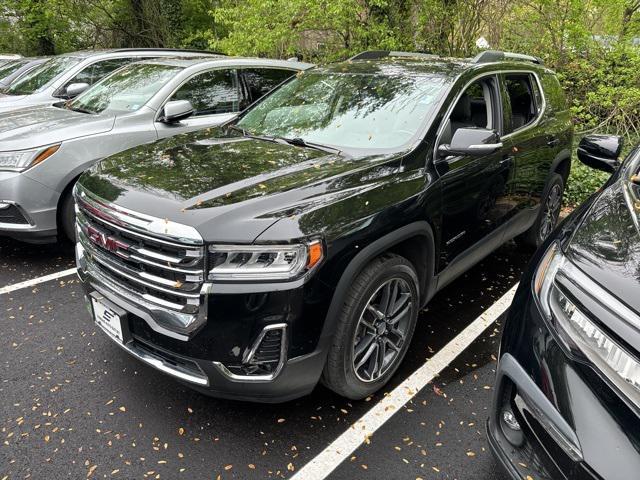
[
  {"x": 14, "y": 69},
  {"x": 299, "y": 242},
  {"x": 567, "y": 397}
]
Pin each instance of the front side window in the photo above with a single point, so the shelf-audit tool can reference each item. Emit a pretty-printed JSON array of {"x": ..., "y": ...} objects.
[
  {"x": 474, "y": 108},
  {"x": 126, "y": 90},
  {"x": 41, "y": 76},
  {"x": 211, "y": 92},
  {"x": 97, "y": 71},
  {"x": 349, "y": 110},
  {"x": 260, "y": 81},
  {"x": 521, "y": 96}
]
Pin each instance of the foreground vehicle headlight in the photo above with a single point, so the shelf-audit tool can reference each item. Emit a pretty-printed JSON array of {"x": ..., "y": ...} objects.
[
  {"x": 578, "y": 331},
  {"x": 263, "y": 262},
  {"x": 22, "y": 159}
]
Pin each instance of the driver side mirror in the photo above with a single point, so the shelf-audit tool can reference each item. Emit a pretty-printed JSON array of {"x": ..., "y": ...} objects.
[
  {"x": 472, "y": 141},
  {"x": 75, "y": 89},
  {"x": 601, "y": 152},
  {"x": 176, "y": 110}
]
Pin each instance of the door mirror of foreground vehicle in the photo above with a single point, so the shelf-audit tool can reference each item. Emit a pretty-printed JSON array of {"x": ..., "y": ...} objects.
[
  {"x": 601, "y": 152},
  {"x": 75, "y": 89},
  {"x": 471, "y": 141},
  {"x": 176, "y": 110}
]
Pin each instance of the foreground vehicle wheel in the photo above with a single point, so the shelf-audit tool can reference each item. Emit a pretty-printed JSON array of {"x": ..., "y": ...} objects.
[
  {"x": 548, "y": 216},
  {"x": 374, "y": 329}
]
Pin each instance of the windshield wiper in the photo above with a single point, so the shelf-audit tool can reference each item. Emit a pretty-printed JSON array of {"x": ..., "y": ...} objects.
[
  {"x": 266, "y": 138},
  {"x": 236, "y": 128},
  {"x": 297, "y": 141},
  {"x": 80, "y": 109},
  {"x": 301, "y": 142}
]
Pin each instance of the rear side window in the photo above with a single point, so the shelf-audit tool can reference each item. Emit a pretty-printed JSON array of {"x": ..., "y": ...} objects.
[
  {"x": 97, "y": 71},
  {"x": 522, "y": 101},
  {"x": 260, "y": 81},
  {"x": 212, "y": 92}
]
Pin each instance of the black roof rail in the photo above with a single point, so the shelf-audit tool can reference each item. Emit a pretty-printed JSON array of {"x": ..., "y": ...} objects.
[
  {"x": 184, "y": 50},
  {"x": 378, "y": 54},
  {"x": 489, "y": 56}
]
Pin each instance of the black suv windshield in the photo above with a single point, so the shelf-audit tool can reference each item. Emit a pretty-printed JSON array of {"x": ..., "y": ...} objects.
[
  {"x": 40, "y": 76},
  {"x": 126, "y": 90},
  {"x": 359, "y": 111}
]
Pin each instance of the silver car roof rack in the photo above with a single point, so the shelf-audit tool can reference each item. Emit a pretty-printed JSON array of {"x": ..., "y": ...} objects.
[{"x": 490, "y": 56}]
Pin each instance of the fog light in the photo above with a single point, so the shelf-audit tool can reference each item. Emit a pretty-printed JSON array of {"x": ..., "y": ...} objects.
[
  {"x": 510, "y": 420},
  {"x": 511, "y": 428}
]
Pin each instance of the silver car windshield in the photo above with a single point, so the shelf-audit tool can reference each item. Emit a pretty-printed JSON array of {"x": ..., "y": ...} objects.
[
  {"x": 126, "y": 90},
  {"x": 344, "y": 110},
  {"x": 42, "y": 75},
  {"x": 10, "y": 67}
]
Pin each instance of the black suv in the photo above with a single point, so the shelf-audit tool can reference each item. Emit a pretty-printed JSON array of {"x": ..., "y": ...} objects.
[{"x": 299, "y": 242}]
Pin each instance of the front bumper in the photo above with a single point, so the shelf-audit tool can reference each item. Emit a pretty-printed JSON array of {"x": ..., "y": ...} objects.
[
  {"x": 33, "y": 208},
  {"x": 211, "y": 360},
  {"x": 573, "y": 424}
]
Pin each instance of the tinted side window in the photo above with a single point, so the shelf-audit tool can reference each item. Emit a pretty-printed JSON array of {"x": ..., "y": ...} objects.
[
  {"x": 474, "y": 109},
  {"x": 556, "y": 100},
  {"x": 521, "y": 101},
  {"x": 260, "y": 81},
  {"x": 99, "y": 70},
  {"x": 211, "y": 92}
]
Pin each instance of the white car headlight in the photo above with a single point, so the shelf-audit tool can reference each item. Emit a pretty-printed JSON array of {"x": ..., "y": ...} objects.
[
  {"x": 22, "y": 159},
  {"x": 263, "y": 262},
  {"x": 578, "y": 331}
]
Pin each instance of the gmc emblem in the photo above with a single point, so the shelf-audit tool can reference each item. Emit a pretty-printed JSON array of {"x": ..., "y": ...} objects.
[{"x": 103, "y": 240}]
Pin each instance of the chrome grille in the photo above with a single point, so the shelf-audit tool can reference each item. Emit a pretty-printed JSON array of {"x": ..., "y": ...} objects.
[{"x": 165, "y": 268}]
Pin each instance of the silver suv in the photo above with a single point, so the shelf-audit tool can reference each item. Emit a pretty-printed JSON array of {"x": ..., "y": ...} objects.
[
  {"x": 43, "y": 150},
  {"x": 65, "y": 76}
]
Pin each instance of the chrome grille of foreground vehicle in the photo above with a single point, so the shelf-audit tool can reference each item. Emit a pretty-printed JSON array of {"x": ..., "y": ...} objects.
[{"x": 127, "y": 249}]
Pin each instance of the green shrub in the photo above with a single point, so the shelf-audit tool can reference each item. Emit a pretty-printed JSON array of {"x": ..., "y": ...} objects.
[{"x": 583, "y": 181}]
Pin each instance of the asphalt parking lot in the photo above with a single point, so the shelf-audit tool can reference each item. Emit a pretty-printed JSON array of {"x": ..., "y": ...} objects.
[{"x": 76, "y": 406}]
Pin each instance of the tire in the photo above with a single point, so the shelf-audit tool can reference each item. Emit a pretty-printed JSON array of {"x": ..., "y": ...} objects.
[
  {"x": 354, "y": 339},
  {"x": 67, "y": 217},
  {"x": 547, "y": 217}
]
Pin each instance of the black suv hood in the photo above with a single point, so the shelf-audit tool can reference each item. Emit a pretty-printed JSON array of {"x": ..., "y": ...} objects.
[
  {"x": 231, "y": 189},
  {"x": 606, "y": 246}
]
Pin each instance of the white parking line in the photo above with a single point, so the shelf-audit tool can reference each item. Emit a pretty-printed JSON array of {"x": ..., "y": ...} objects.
[
  {"x": 36, "y": 281},
  {"x": 342, "y": 447}
]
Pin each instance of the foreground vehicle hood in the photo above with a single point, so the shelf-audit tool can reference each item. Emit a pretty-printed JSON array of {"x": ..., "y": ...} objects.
[
  {"x": 606, "y": 246},
  {"x": 39, "y": 126},
  {"x": 230, "y": 189}
]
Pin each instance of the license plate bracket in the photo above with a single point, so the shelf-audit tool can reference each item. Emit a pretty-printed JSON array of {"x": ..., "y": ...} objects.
[{"x": 110, "y": 318}]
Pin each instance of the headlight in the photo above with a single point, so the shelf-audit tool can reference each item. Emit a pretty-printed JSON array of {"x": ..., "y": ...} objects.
[
  {"x": 578, "y": 331},
  {"x": 22, "y": 159},
  {"x": 263, "y": 262}
]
